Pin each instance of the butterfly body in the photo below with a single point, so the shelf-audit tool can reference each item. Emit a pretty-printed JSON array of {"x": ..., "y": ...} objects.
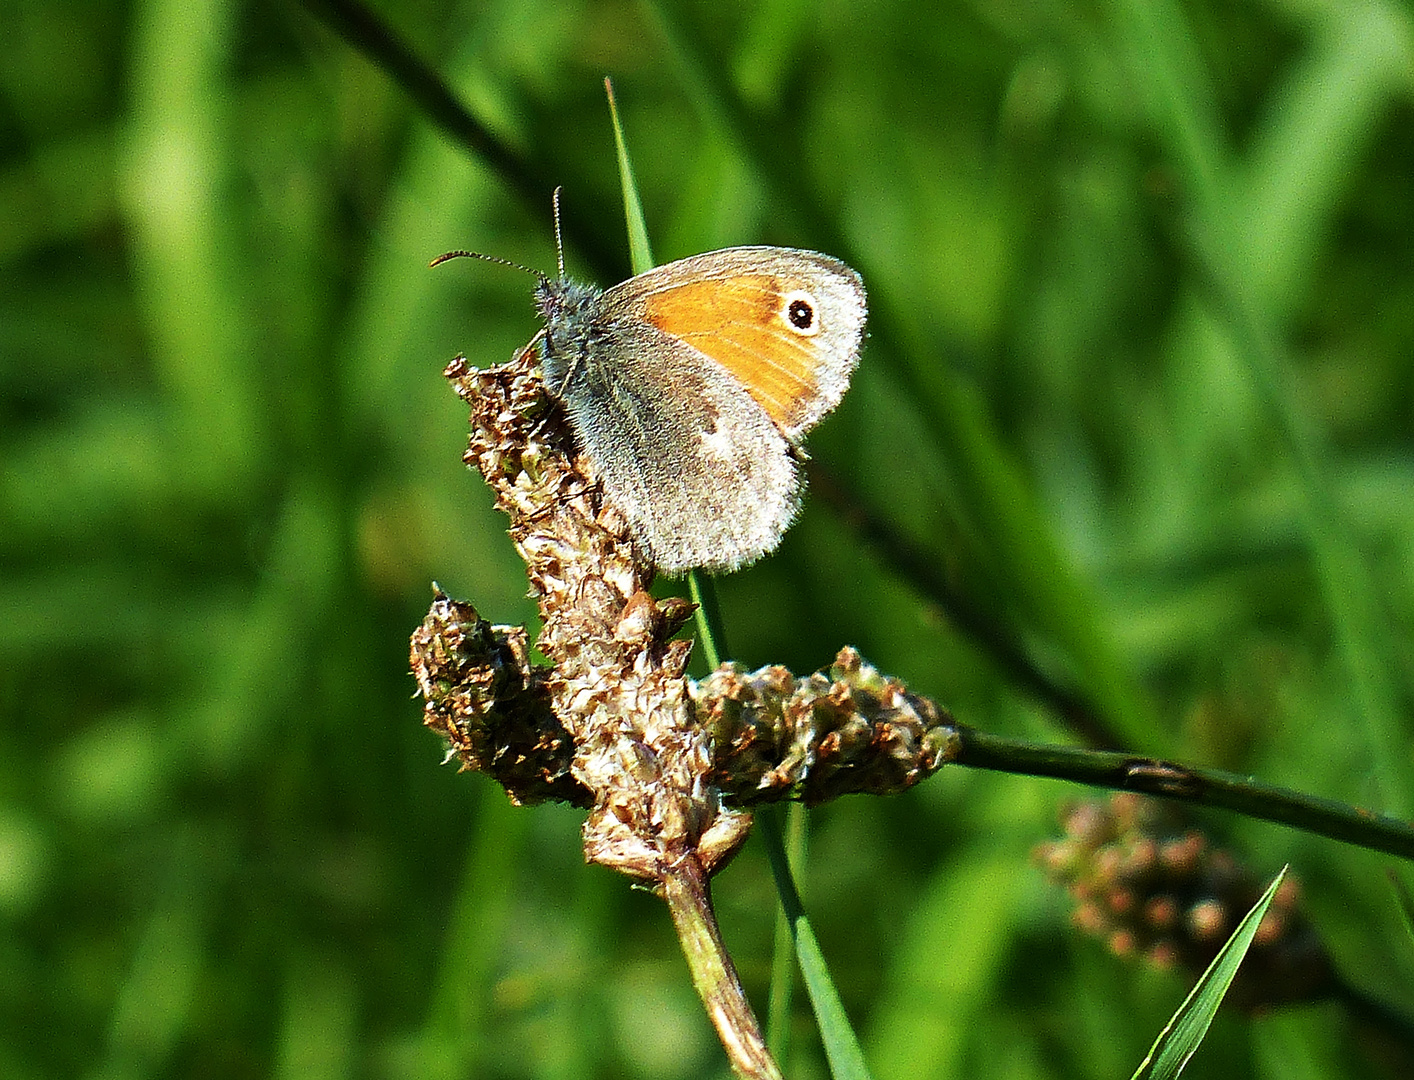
[{"x": 690, "y": 387}]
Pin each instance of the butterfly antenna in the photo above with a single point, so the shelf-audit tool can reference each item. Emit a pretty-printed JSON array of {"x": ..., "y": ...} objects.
[
  {"x": 440, "y": 259},
  {"x": 559, "y": 241}
]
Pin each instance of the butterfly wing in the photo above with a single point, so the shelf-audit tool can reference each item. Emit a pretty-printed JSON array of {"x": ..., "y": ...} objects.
[
  {"x": 690, "y": 385},
  {"x": 693, "y": 462},
  {"x": 785, "y": 323}
]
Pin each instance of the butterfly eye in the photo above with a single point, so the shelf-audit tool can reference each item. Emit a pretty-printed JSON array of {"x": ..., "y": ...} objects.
[{"x": 800, "y": 314}]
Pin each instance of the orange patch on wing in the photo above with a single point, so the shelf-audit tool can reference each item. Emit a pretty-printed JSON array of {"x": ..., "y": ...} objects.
[{"x": 737, "y": 322}]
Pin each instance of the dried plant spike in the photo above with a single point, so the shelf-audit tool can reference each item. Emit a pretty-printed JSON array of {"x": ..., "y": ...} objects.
[
  {"x": 616, "y": 686},
  {"x": 776, "y": 736},
  {"x": 493, "y": 708},
  {"x": 613, "y": 723},
  {"x": 821, "y": 736},
  {"x": 1152, "y": 886}
]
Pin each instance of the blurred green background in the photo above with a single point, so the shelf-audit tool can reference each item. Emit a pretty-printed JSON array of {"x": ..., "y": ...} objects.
[{"x": 1132, "y": 431}]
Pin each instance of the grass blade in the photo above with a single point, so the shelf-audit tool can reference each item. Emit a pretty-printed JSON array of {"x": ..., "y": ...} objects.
[
  {"x": 841, "y": 1044},
  {"x": 1181, "y": 1038},
  {"x": 639, "y": 252}
]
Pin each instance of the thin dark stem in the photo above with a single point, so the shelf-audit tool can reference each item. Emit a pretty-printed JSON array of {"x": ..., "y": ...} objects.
[
  {"x": 376, "y": 40},
  {"x": 1205, "y": 787},
  {"x": 921, "y": 570},
  {"x": 367, "y": 33}
]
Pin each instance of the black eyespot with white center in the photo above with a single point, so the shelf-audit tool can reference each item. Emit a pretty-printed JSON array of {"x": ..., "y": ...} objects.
[{"x": 800, "y": 313}]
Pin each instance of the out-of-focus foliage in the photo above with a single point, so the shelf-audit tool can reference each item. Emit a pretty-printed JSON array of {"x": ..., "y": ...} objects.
[{"x": 1139, "y": 389}]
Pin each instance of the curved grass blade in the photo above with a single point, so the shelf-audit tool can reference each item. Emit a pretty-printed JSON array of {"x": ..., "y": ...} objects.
[
  {"x": 836, "y": 1035},
  {"x": 640, "y": 254},
  {"x": 709, "y": 622},
  {"x": 1178, "y": 1041}
]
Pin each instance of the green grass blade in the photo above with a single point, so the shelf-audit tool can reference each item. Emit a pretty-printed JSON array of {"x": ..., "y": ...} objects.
[
  {"x": 639, "y": 252},
  {"x": 710, "y": 631},
  {"x": 782, "y": 967},
  {"x": 841, "y": 1044},
  {"x": 1181, "y": 1038}
]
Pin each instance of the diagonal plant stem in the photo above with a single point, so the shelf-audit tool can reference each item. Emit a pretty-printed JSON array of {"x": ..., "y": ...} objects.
[
  {"x": 921, "y": 570},
  {"x": 689, "y": 900},
  {"x": 1165, "y": 61},
  {"x": 815, "y": 738},
  {"x": 1204, "y": 787},
  {"x": 369, "y": 35}
]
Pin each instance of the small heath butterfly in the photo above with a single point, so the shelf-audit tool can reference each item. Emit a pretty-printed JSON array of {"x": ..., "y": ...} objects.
[{"x": 691, "y": 386}]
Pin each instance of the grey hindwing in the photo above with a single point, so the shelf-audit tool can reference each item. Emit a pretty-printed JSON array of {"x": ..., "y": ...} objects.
[{"x": 699, "y": 469}]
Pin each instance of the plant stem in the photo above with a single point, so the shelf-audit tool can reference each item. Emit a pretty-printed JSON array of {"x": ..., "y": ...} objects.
[
  {"x": 689, "y": 901},
  {"x": 1206, "y": 787}
]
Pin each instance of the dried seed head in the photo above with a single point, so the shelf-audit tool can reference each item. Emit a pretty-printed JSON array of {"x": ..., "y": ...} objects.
[
  {"x": 847, "y": 730},
  {"x": 616, "y": 689},
  {"x": 613, "y": 723},
  {"x": 1171, "y": 897},
  {"x": 492, "y": 707}
]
